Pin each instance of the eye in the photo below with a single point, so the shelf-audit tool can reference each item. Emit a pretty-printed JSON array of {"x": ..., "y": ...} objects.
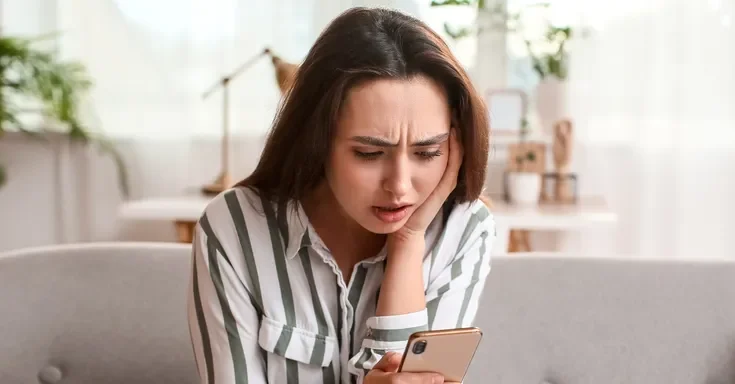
[
  {"x": 429, "y": 155},
  {"x": 368, "y": 155}
]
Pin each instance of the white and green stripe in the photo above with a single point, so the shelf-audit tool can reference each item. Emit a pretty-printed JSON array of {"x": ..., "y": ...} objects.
[{"x": 268, "y": 303}]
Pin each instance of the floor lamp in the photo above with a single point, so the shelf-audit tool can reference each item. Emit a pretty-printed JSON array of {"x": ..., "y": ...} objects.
[{"x": 284, "y": 76}]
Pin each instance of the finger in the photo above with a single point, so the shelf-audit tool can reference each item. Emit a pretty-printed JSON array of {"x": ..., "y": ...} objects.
[
  {"x": 449, "y": 180},
  {"x": 456, "y": 153},
  {"x": 389, "y": 363},
  {"x": 421, "y": 378}
]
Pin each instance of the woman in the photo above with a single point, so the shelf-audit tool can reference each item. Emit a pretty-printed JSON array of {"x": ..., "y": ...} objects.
[{"x": 361, "y": 223}]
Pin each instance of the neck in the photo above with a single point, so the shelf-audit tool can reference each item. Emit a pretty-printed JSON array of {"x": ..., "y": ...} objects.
[{"x": 348, "y": 241}]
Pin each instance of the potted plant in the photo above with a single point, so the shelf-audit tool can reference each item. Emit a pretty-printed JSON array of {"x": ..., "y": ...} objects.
[
  {"x": 524, "y": 185},
  {"x": 550, "y": 61},
  {"x": 29, "y": 75},
  {"x": 524, "y": 180},
  {"x": 546, "y": 45},
  {"x": 491, "y": 17}
]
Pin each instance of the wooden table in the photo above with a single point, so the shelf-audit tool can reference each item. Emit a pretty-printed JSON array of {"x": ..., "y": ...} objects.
[{"x": 184, "y": 211}]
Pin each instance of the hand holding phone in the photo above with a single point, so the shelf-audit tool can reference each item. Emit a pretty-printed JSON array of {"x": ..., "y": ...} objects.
[{"x": 386, "y": 372}]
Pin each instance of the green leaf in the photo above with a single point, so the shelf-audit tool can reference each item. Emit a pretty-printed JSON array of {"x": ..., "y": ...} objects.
[
  {"x": 122, "y": 174},
  {"x": 552, "y": 64},
  {"x": 459, "y": 33},
  {"x": 441, "y": 3},
  {"x": 28, "y": 72},
  {"x": 3, "y": 175}
]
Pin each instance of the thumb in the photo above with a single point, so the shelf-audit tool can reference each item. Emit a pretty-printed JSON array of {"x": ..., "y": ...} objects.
[
  {"x": 421, "y": 378},
  {"x": 389, "y": 363}
]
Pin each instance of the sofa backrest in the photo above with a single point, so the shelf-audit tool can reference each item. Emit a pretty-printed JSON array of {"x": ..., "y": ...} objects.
[
  {"x": 566, "y": 320},
  {"x": 116, "y": 313},
  {"x": 96, "y": 313}
]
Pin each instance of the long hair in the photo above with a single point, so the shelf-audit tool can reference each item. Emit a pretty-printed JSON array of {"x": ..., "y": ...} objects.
[{"x": 364, "y": 44}]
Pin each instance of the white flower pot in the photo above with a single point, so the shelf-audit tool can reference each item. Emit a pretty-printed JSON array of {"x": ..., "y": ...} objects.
[
  {"x": 551, "y": 102},
  {"x": 524, "y": 188}
]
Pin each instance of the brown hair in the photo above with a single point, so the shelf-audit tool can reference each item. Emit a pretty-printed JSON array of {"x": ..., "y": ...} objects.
[{"x": 363, "y": 44}]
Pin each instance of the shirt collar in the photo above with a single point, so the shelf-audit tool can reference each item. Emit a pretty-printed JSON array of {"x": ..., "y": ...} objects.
[
  {"x": 301, "y": 234},
  {"x": 298, "y": 235}
]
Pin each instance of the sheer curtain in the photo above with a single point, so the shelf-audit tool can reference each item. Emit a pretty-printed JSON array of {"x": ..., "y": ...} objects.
[
  {"x": 152, "y": 62},
  {"x": 653, "y": 90}
]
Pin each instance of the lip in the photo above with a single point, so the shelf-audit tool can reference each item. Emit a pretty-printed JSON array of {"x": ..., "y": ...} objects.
[{"x": 391, "y": 213}]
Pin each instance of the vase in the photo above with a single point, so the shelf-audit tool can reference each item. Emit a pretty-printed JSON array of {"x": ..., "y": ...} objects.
[
  {"x": 551, "y": 102},
  {"x": 524, "y": 188}
]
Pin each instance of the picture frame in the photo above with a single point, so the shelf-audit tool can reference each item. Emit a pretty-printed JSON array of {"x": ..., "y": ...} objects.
[{"x": 507, "y": 109}]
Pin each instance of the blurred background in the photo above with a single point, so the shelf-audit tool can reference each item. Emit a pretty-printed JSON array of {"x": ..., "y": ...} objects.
[{"x": 613, "y": 122}]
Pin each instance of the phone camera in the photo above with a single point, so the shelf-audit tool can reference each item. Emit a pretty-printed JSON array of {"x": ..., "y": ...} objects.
[{"x": 419, "y": 347}]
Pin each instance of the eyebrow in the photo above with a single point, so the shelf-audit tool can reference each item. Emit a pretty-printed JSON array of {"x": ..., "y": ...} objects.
[{"x": 380, "y": 142}]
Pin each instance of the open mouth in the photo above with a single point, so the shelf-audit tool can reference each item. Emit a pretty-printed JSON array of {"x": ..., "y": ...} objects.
[
  {"x": 392, "y": 209},
  {"x": 391, "y": 214}
]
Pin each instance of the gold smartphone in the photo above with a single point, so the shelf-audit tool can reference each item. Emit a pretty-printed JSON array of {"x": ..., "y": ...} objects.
[{"x": 448, "y": 352}]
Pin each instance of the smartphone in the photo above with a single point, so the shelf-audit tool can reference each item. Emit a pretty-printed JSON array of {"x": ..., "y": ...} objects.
[{"x": 448, "y": 352}]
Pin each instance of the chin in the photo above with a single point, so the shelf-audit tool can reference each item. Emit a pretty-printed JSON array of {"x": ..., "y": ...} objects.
[{"x": 382, "y": 228}]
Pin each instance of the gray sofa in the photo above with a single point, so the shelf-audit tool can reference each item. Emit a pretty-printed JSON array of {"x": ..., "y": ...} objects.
[
  {"x": 568, "y": 320},
  {"x": 95, "y": 314},
  {"x": 116, "y": 313}
]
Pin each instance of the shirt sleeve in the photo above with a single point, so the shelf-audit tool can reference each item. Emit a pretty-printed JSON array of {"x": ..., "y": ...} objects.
[
  {"x": 385, "y": 334},
  {"x": 452, "y": 296},
  {"x": 222, "y": 317}
]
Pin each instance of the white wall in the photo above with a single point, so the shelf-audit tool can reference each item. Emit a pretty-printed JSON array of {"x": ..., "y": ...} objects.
[
  {"x": 28, "y": 17},
  {"x": 29, "y": 210},
  {"x": 59, "y": 193}
]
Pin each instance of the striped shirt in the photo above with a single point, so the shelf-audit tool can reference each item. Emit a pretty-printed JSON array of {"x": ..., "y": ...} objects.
[{"x": 268, "y": 303}]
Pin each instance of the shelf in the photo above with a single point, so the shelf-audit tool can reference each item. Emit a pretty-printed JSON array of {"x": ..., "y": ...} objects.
[{"x": 503, "y": 140}]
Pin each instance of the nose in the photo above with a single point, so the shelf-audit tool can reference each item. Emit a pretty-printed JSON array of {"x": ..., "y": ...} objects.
[{"x": 397, "y": 179}]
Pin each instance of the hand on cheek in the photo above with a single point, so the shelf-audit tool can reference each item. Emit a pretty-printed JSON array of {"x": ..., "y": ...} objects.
[{"x": 421, "y": 218}]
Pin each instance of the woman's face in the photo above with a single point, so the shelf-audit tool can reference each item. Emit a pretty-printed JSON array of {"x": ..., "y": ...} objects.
[{"x": 389, "y": 151}]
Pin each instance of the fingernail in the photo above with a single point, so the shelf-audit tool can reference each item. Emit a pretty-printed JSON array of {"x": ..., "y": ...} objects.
[{"x": 438, "y": 379}]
